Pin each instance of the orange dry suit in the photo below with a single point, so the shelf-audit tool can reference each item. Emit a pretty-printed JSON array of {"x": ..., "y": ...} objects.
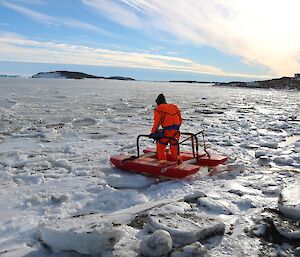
[{"x": 167, "y": 116}]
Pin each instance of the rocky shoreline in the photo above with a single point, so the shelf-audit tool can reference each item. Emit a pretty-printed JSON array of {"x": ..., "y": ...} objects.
[{"x": 277, "y": 83}]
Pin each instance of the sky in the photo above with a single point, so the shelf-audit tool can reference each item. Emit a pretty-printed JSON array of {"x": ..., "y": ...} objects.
[{"x": 213, "y": 40}]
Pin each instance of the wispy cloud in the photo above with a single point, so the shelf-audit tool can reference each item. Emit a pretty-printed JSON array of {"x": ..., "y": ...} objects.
[
  {"x": 4, "y": 24},
  {"x": 37, "y": 16},
  {"x": 32, "y": 1},
  {"x": 116, "y": 11},
  {"x": 29, "y": 1},
  {"x": 54, "y": 21},
  {"x": 262, "y": 32},
  {"x": 14, "y": 47}
]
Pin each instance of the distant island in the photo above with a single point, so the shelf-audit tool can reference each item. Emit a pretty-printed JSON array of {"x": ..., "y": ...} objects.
[
  {"x": 278, "y": 83},
  {"x": 9, "y": 76},
  {"x": 74, "y": 75}
]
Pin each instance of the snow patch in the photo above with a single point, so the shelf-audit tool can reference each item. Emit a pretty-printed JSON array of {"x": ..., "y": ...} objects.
[
  {"x": 61, "y": 163},
  {"x": 125, "y": 180}
]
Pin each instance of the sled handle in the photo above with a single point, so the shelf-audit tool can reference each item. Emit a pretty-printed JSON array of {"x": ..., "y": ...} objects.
[
  {"x": 193, "y": 137},
  {"x": 195, "y": 144}
]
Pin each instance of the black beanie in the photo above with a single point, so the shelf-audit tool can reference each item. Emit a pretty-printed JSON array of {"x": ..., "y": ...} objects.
[{"x": 160, "y": 99}]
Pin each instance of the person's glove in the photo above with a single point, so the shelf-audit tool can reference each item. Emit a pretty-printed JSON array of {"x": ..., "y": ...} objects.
[
  {"x": 157, "y": 135},
  {"x": 151, "y": 135}
]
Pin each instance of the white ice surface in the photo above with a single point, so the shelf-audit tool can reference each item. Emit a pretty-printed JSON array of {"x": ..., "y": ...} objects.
[
  {"x": 56, "y": 137},
  {"x": 129, "y": 180},
  {"x": 184, "y": 225},
  {"x": 289, "y": 201},
  {"x": 85, "y": 238}
]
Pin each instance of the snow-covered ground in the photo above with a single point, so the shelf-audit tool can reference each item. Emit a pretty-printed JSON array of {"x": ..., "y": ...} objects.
[{"x": 56, "y": 137}]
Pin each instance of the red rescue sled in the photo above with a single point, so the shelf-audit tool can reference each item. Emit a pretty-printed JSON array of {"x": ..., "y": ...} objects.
[{"x": 148, "y": 163}]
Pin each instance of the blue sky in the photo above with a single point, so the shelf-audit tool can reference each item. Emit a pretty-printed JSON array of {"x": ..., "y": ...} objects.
[{"x": 212, "y": 40}]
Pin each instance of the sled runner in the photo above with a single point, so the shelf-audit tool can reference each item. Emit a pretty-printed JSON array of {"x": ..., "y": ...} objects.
[{"x": 188, "y": 162}]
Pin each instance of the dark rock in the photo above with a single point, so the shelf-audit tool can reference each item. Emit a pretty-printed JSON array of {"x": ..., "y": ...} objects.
[
  {"x": 119, "y": 78},
  {"x": 189, "y": 81},
  {"x": 277, "y": 229}
]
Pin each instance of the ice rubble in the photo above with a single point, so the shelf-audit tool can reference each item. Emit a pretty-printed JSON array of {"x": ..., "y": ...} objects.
[
  {"x": 192, "y": 250},
  {"x": 90, "y": 233},
  {"x": 85, "y": 238},
  {"x": 185, "y": 227},
  {"x": 281, "y": 226},
  {"x": 289, "y": 201},
  {"x": 174, "y": 224},
  {"x": 56, "y": 138},
  {"x": 157, "y": 244}
]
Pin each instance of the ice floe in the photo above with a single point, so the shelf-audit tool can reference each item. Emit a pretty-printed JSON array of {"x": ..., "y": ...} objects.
[
  {"x": 185, "y": 226},
  {"x": 157, "y": 244},
  {"x": 56, "y": 138},
  {"x": 83, "y": 236},
  {"x": 289, "y": 201}
]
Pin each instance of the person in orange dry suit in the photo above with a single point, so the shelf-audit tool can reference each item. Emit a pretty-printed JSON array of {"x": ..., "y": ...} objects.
[{"x": 167, "y": 116}]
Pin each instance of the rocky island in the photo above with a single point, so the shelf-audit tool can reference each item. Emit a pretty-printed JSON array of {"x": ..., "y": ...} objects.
[
  {"x": 277, "y": 83},
  {"x": 75, "y": 75}
]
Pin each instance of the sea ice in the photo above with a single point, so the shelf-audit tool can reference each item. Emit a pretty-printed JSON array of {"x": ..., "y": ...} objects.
[
  {"x": 157, "y": 244},
  {"x": 260, "y": 153},
  {"x": 193, "y": 250},
  {"x": 84, "y": 122},
  {"x": 269, "y": 144},
  {"x": 214, "y": 206},
  {"x": 80, "y": 234},
  {"x": 264, "y": 161},
  {"x": 289, "y": 200},
  {"x": 284, "y": 160},
  {"x": 7, "y": 103},
  {"x": 81, "y": 123},
  {"x": 125, "y": 180},
  {"x": 185, "y": 228}
]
